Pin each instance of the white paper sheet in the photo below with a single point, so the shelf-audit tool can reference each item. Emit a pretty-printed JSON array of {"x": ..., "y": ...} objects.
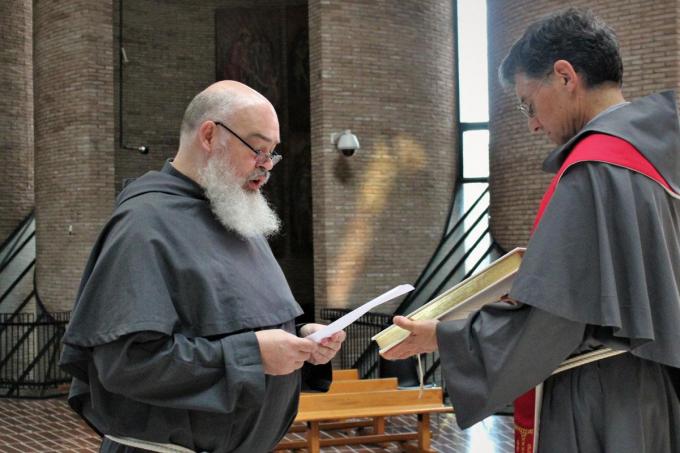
[{"x": 355, "y": 314}]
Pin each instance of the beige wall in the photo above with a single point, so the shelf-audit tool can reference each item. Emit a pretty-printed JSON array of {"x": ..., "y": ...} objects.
[{"x": 648, "y": 34}]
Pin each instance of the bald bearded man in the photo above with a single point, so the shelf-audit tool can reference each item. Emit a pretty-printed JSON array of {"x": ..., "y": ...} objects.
[{"x": 183, "y": 332}]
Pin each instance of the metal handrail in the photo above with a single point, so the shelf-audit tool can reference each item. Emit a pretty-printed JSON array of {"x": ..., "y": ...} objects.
[
  {"x": 21, "y": 380},
  {"x": 429, "y": 372},
  {"x": 18, "y": 231},
  {"x": 368, "y": 359},
  {"x": 17, "y": 311},
  {"x": 421, "y": 285},
  {"x": 45, "y": 360},
  {"x": 17, "y": 280},
  {"x": 362, "y": 329},
  {"x": 21, "y": 367},
  {"x": 450, "y": 232},
  {"x": 460, "y": 262},
  {"x": 17, "y": 346},
  {"x": 15, "y": 252}
]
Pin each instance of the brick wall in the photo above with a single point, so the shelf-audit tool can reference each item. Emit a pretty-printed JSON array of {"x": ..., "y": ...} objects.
[
  {"x": 171, "y": 57},
  {"x": 383, "y": 69},
  {"x": 391, "y": 73},
  {"x": 74, "y": 130},
  {"x": 648, "y": 35},
  {"x": 171, "y": 51},
  {"x": 16, "y": 114},
  {"x": 170, "y": 46}
]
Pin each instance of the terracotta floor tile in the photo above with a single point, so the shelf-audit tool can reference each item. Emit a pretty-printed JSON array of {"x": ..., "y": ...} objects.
[{"x": 47, "y": 426}]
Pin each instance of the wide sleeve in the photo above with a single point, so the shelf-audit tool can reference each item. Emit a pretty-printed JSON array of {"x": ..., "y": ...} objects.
[
  {"x": 182, "y": 373},
  {"x": 606, "y": 253},
  {"x": 499, "y": 353},
  {"x": 127, "y": 283}
]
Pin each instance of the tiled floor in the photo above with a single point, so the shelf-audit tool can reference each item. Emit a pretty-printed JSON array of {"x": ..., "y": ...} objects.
[
  {"x": 43, "y": 426},
  {"x": 29, "y": 426}
]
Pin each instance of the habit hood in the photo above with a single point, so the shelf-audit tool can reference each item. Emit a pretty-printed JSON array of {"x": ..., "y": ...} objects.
[
  {"x": 164, "y": 263},
  {"x": 607, "y": 249}
]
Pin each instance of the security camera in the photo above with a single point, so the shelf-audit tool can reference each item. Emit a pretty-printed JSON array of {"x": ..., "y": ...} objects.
[
  {"x": 346, "y": 142},
  {"x": 348, "y": 151}
]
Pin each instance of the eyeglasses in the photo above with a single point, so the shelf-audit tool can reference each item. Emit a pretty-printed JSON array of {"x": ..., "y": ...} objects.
[
  {"x": 260, "y": 156},
  {"x": 527, "y": 109}
]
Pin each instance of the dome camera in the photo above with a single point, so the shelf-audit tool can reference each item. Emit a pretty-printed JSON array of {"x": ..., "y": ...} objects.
[{"x": 346, "y": 142}]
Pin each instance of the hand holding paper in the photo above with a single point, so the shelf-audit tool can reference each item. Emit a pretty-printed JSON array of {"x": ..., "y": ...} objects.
[
  {"x": 327, "y": 348},
  {"x": 352, "y": 316}
]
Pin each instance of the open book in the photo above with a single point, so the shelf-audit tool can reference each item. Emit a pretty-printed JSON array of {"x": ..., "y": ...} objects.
[{"x": 468, "y": 296}]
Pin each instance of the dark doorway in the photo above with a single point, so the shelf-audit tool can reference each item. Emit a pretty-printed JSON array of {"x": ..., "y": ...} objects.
[{"x": 267, "y": 48}]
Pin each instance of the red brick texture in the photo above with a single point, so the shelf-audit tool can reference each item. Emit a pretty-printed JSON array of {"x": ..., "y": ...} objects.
[
  {"x": 387, "y": 70},
  {"x": 16, "y": 114},
  {"x": 74, "y": 139},
  {"x": 384, "y": 70},
  {"x": 170, "y": 48},
  {"x": 649, "y": 39}
]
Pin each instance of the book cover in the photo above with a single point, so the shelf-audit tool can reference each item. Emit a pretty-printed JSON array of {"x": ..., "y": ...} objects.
[{"x": 486, "y": 286}]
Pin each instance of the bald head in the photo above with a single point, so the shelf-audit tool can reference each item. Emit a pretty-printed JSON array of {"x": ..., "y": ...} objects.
[
  {"x": 221, "y": 100},
  {"x": 211, "y": 124},
  {"x": 226, "y": 130}
]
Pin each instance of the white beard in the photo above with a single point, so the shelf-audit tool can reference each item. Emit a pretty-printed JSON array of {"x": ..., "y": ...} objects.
[{"x": 245, "y": 212}]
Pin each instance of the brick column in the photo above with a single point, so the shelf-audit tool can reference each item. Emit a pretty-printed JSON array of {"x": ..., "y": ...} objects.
[
  {"x": 383, "y": 69},
  {"x": 649, "y": 38},
  {"x": 16, "y": 114},
  {"x": 74, "y": 139}
]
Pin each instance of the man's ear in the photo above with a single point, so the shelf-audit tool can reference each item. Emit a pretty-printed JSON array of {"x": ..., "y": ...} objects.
[
  {"x": 206, "y": 135},
  {"x": 566, "y": 75}
]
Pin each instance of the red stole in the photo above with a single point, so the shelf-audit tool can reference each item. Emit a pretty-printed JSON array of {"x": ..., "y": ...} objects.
[{"x": 593, "y": 148}]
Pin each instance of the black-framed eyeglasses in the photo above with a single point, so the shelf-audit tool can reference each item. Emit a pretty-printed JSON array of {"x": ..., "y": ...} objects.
[
  {"x": 260, "y": 156},
  {"x": 527, "y": 109}
]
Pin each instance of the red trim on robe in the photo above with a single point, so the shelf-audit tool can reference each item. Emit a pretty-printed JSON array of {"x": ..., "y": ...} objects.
[{"x": 593, "y": 148}]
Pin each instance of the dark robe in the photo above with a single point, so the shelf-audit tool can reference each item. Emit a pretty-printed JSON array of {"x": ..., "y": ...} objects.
[
  {"x": 601, "y": 269},
  {"x": 161, "y": 341}
]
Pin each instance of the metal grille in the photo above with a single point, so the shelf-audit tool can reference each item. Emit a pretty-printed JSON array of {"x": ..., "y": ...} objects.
[
  {"x": 30, "y": 346},
  {"x": 358, "y": 351},
  {"x": 465, "y": 246}
]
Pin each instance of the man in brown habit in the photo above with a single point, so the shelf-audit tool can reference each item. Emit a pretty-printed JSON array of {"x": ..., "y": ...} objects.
[
  {"x": 183, "y": 333},
  {"x": 602, "y": 268}
]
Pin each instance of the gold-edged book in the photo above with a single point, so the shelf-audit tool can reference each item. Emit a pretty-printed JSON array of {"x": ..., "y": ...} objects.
[{"x": 486, "y": 286}]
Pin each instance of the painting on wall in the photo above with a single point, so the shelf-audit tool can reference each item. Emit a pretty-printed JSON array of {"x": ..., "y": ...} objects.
[
  {"x": 249, "y": 49},
  {"x": 268, "y": 49}
]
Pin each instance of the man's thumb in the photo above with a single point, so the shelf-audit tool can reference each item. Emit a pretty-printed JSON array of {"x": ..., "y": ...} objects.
[{"x": 404, "y": 322}]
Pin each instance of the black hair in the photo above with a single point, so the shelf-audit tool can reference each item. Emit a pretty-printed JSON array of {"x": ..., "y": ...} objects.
[{"x": 574, "y": 35}]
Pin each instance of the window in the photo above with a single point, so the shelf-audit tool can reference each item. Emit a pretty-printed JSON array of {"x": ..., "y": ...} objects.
[{"x": 473, "y": 91}]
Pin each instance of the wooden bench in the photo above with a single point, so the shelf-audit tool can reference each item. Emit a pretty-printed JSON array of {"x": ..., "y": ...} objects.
[
  {"x": 347, "y": 381},
  {"x": 340, "y": 375},
  {"x": 372, "y": 399}
]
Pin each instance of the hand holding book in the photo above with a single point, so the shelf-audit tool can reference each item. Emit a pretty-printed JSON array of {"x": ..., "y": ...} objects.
[
  {"x": 417, "y": 333},
  {"x": 422, "y": 338},
  {"x": 489, "y": 285}
]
